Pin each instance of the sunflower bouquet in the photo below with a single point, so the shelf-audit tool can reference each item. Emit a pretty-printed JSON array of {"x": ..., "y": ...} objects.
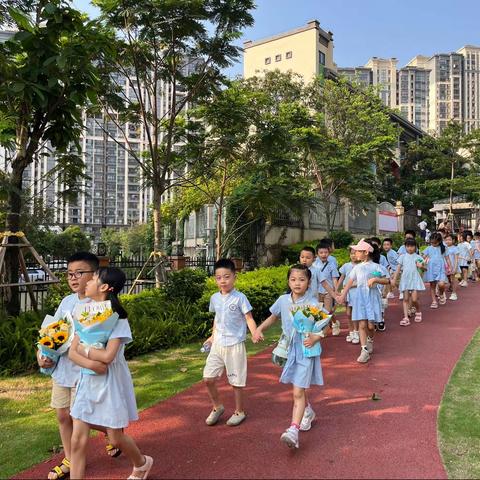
[
  {"x": 54, "y": 338},
  {"x": 309, "y": 319},
  {"x": 94, "y": 323}
]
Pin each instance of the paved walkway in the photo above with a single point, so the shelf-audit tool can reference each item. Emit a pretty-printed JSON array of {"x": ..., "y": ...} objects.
[{"x": 354, "y": 437}]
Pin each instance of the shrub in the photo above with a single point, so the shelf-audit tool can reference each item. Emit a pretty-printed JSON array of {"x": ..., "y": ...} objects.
[
  {"x": 342, "y": 238},
  {"x": 187, "y": 284},
  {"x": 18, "y": 337},
  {"x": 56, "y": 292}
]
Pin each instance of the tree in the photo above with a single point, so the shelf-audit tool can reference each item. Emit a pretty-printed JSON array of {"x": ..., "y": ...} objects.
[
  {"x": 48, "y": 73},
  {"x": 220, "y": 140},
  {"x": 346, "y": 136},
  {"x": 444, "y": 165},
  {"x": 173, "y": 49}
]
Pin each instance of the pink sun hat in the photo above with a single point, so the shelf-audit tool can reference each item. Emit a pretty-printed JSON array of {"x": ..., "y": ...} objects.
[{"x": 363, "y": 246}]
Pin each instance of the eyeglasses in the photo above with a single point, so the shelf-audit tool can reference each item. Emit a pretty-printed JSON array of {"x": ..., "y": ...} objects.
[{"x": 78, "y": 274}]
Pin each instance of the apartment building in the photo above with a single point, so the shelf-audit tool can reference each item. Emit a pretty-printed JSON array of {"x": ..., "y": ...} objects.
[
  {"x": 471, "y": 86},
  {"x": 359, "y": 75},
  {"x": 307, "y": 50},
  {"x": 384, "y": 77}
]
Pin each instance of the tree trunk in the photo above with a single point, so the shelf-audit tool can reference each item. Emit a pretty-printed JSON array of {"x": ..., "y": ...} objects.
[
  {"x": 157, "y": 231},
  {"x": 328, "y": 217},
  {"x": 218, "y": 239},
  {"x": 12, "y": 303}
]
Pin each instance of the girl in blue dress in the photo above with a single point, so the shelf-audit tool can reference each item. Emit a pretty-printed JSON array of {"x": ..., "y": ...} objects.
[
  {"x": 299, "y": 370},
  {"x": 367, "y": 304},
  {"x": 106, "y": 400},
  {"x": 435, "y": 258},
  {"x": 411, "y": 281},
  {"x": 452, "y": 264}
]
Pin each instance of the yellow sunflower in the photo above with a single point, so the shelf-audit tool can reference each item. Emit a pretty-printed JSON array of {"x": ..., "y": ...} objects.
[
  {"x": 60, "y": 338},
  {"x": 315, "y": 310},
  {"x": 53, "y": 326},
  {"x": 47, "y": 342}
]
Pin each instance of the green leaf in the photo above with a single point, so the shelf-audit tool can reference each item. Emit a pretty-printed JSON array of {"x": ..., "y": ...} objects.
[
  {"x": 20, "y": 19},
  {"x": 18, "y": 87}
]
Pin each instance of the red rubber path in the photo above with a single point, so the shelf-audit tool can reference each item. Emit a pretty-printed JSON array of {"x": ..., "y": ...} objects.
[{"x": 354, "y": 436}]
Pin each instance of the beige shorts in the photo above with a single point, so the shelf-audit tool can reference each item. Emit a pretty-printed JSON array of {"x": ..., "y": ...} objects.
[
  {"x": 233, "y": 359},
  {"x": 62, "y": 397}
]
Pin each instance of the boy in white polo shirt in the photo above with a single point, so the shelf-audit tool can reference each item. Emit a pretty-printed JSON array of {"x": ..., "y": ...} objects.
[{"x": 233, "y": 313}]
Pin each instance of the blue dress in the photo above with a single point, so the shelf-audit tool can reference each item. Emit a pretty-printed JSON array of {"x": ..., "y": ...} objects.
[
  {"x": 367, "y": 304},
  {"x": 436, "y": 264},
  {"x": 475, "y": 244},
  {"x": 299, "y": 370},
  {"x": 108, "y": 400},
  {"x": 453, "y": 252},
  {"x": 345, "y": 270},
  {"x": 411, "y": 278}
]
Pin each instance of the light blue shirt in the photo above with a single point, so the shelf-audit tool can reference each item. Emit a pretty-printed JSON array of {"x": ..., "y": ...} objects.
[
  {"x": 283, "y": 308},
  {"x": 464, "y": 254},
  {"x": 345, "y": 270},
  {"x": 230, "y": 322},
  {"x": 392, "y": 259},
  {"x": 383, "y": 261},
  {"x": 66, "y": 373},
  {"x": 313, "y": 288},
  {"x": 326, "y": 271}
]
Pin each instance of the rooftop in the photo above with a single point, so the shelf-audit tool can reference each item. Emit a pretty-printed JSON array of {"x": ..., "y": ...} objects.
[{"x": 309, "y": 26}]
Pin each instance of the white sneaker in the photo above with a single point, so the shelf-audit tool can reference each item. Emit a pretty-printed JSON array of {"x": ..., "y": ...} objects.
[
  {"x": 336, "y": 328},
  {"x": 290, "y": 437},
  {"x": 370, "y": 345},
  {"x": 390, "y": 295},
  {"x": 308, "y": 417},
  {"x": 349, "y": 337},
  {"x": 453, "y": 296},
  {"x": 463, "y": 283},
  {"x": 364, "y": 356},
  {"x": 400, "y": 297},
  {"x": 355, "y": 338}
]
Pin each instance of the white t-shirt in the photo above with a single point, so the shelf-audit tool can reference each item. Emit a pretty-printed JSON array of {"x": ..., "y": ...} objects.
[
  {"x": 230, "y": 323},
  {"x": 423, "y": 225}
]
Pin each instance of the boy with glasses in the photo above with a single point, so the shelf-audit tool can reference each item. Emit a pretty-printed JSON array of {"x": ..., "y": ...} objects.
[{"x": 80, "y": 269}]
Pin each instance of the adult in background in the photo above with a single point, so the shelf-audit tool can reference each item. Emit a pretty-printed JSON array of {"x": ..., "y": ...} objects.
[{"x": 423, "y": 229}]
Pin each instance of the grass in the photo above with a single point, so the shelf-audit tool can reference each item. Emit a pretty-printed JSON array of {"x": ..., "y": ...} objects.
[
  {"x": 28, "y": 427},
  {"x": 459, "y": 416}
]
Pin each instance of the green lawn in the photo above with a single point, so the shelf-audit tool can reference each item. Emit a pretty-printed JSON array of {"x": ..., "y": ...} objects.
[
  {"x": 28, "y": 429},
  {"x": 459, "y": 416}
]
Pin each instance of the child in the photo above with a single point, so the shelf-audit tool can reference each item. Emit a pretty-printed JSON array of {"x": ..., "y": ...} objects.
[
  {"x": 471, "y": 264},
  {"x": 408, "y": 234},
  {"x": 464, "y": 258},
  {"x": 331, "y": 248},
  {"x": 475, "y": 243},
  {"x": 307, "y": 258},
  {"x": 411, "y": 282},
  {"x": 452, "y": 263},
  {"x": 300, "y": 371},
  {"x": 80, "y": 269},
  {"x": 383, "y": 265},
  {"x": 328, "y": 276},
  {"x": 106, "y": 400},
  {"x": 392, "y": 259},
  {"x": 233, "y": 313},
  {"x": 434, "y": 256},
  {"x": 345, "y": 270},
  {"x": 367, "y": 304}
]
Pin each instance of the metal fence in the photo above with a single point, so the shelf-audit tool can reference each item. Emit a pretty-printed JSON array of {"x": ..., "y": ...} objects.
[{"x": 131, "y": 266}]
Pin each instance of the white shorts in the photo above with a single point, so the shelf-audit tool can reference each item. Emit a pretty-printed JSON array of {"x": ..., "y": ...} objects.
[{"x": 232, "y": 358}]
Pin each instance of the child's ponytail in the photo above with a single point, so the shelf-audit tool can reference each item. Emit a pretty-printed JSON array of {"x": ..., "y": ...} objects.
[{"x": 115, "y": 279}]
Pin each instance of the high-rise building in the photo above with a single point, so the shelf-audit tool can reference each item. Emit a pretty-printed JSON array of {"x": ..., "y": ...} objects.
[
  {"x": 360, "y": 75},
  {"x": 384, "y": 76},
  {"x": 445, "y": 90},
  {"x": 306, "y": 50},
  {"x": 471, "y": 86},
  {"x": 413, "y": 93}
]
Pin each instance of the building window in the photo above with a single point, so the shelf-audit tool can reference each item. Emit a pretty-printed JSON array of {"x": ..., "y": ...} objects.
[
  {"x": 322, "y": 58},
  {"x": 278, "y": 57},
  {"x": 268, "y": 61},
  {"x": 288, "y": 55}
]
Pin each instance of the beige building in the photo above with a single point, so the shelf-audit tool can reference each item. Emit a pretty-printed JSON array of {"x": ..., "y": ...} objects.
[
  {"x": 471, "y": 86},
  {"x": 384, "y": 75},
  {"x": 306, "y": 50}
]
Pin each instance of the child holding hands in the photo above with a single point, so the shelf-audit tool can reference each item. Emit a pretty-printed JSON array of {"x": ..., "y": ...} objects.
[{"x": 299, "y": 370}]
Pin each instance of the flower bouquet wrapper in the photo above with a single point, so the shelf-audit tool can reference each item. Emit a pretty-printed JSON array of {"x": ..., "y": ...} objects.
[
  {"x": 94, "y": 323},
  {"x": 307, "y": 324},
  {"x": 55, "y": 339}
]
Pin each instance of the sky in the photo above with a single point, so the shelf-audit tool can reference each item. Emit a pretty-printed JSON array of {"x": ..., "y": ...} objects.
[{"x": 369, "y": 28}]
